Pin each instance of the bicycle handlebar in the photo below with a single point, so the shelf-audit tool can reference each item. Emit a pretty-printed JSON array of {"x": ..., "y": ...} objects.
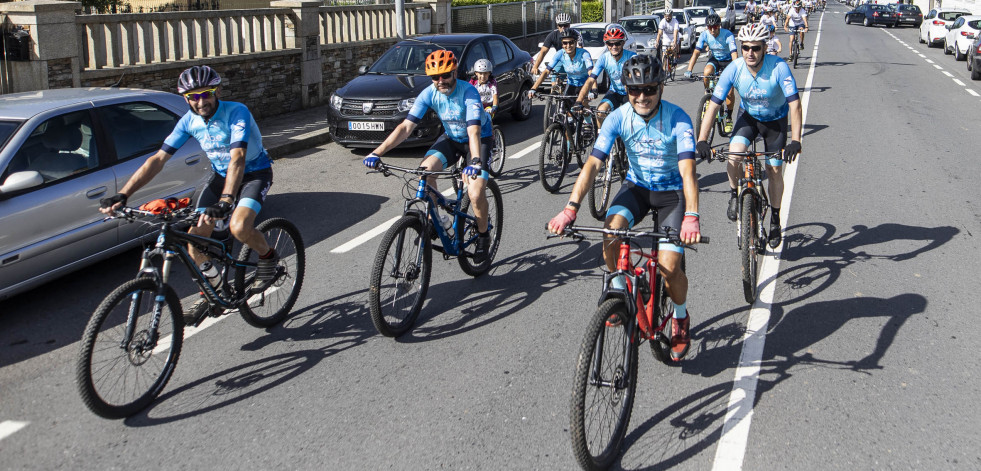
[
  {"x": 575, "y": 232},
  {"x": 385, "y": 169},
  {"x": 722, "y": 155}
]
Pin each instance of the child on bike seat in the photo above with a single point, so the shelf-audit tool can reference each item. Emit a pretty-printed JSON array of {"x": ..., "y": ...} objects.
[
  {"x": 486, "y": 85},
  {"x": 773, "y": 44}
]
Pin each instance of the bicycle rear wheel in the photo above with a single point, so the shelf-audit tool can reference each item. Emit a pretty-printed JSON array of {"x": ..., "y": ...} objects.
[
  {"x": 467, "y": 237},
  {"x": 553, "y": 158},
  {"x": 607, "y": 182},
  {"x": 119, "y": 374},
  {"x": 749, "y": 233},
  {"x": 400, "y": 277},
  {"x": 268, "y": 303},
  {"x": 603, "y": 392},
  {"x": 496, "y": 164},
  {"x": 703, "y": 105}
]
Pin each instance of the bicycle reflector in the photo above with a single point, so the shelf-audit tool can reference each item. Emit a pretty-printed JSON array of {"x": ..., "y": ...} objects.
[{"x": 161, "y": 206}]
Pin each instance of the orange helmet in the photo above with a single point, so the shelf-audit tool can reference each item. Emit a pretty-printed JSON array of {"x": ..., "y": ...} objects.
[{"x": 440, "y": 61}]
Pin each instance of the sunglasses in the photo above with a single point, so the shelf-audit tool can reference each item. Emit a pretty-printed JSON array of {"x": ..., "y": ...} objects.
[
  {"x": 566, "y": 25},
  {"x": 568, "y": 43},
  {"x": 649, "y": 90},
  {"x": 752, "y": 48},
  {"x": 715, "y": 27},
  {"x": 200, "y": 95},
  {"x": 615, "y": 43},
  {"x": 443, "y": 76}
]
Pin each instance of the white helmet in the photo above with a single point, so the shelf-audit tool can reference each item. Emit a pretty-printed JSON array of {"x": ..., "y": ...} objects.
[
  {"x": 753, "y": 32},
  {"x": 667, "y": 11},
  {"x": 563, "y": 19},
  {"x": 483, "y": 65}
]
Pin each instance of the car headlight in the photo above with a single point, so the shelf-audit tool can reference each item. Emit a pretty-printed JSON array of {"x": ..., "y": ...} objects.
[
  {"x": 336, "y": 101},
  {"x": 406, "y": 104}
]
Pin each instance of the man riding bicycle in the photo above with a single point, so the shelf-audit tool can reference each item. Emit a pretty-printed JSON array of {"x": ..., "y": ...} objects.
[
  {"x": 796, "y": 22},
  {"x": 659, "y": 141},
  {"x": 612, "y": 62},
  {"x": 468, "y": 132},
  {"x": 554, "y": 39},
  {"x": 722, "y": 45},
  {"x": 767, "y": 93},
  {"x": 241, "y": 170},
  {"x": 667, "y": 37}
]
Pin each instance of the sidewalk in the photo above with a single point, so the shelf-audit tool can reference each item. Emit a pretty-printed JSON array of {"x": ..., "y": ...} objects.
[{"x": 292, "y": 132}]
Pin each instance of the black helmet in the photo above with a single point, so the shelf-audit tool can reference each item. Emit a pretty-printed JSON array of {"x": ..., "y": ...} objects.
[
  {"x": 197, "y": 77},
  {"x": 569, "y": 33},
  {"x": 642, "y": 69},
  {"x": 713, "y": 20}
]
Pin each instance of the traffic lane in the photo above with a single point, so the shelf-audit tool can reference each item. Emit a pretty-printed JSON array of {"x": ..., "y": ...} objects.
[{"x": 865, "y": 306}]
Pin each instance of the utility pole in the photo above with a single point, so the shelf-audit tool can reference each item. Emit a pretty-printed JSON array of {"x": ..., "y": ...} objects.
[{"x": 400, "y": 18}]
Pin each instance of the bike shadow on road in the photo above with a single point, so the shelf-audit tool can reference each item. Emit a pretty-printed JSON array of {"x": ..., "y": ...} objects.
[{"x": 340, "y": 211}]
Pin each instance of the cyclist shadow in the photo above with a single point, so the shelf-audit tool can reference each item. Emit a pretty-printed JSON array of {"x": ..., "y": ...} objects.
[
  {"x": 346, "y": 210},
  {"x": 517, "y": 178}
]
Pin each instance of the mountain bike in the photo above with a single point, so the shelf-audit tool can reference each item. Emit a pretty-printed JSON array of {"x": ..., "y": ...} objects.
[
  {"x": 751, "y": 235},
  {"x": 724, "y": 116},
  {"x": 795, "y": 45},
  {"x": 402, "y": 267},
  {"x": 606, "y": 369},
  {"x": 607, "y": 182},
  {"x": 558, "y": 87},
  {"x": 670, "y": 58},
  {"x": 572, "y": 135},
  {"x": 131, "y": 344}
]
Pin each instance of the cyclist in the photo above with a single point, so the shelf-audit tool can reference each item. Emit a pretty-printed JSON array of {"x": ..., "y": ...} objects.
[
  {"x": 573, "y": 60},
  {"x": 612, "y": 62},
  {"x": 773, "y": 44},
  {"x": 796, "y": 22},
  {"x": 241, "y": 170},
  {"x": 486, "y": 85},
  {"x": 554, "y": 38},
  {"x": 750, "y": 10},
  {"x": 667, "y": 36},
  {"x": 722, "y": 45},
  {"x": 768, "y": 19},
  {"x": 768, "y": 94},
  {"x": 468, "y": 131},
  {"x": 658, "y": 137}
]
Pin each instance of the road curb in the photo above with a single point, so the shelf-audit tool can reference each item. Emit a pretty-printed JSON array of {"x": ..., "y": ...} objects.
[{"x": 298, "y": 143}]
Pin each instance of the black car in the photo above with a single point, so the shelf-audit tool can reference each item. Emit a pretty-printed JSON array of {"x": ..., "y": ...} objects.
[
  {"x": 872, "y": 14},
  {"x": 908, "y": 14},
  {"x": 364, "y": 111},
  {"x": 974, "y": 58}
]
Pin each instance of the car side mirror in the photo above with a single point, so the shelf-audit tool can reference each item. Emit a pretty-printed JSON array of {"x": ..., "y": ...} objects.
[
  {"x": 21, "y": 181},
  {"x": 362, "y": 70}
]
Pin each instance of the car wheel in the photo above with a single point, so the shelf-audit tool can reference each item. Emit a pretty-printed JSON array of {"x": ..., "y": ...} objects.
[
  {"x": 947, "y": 48},
  {"x": 848, "y": 20},
  {"x": 919, "y": 37},
  {"x": 958, "y": 55},
  {"x": 867, "y": 23},
  {"x": 522, "y": 107},
  {"x": 975, "y": 73}
]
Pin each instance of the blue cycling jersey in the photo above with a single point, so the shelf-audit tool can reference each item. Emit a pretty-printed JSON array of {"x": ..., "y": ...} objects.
[
  {"x": 613, "y": 69},
  {"x": 459, "y": 109},
  {"x": 722, "y": 46},
  {"x": 231, "y": 127},
  {"x": 654, "y": 148},
  {"x": 576, "y": 68},
  {"x": 765, "y": 96}
]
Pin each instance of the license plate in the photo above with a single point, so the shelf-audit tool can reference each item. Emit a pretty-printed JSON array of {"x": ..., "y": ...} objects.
[{"x": 365, "y": 126}]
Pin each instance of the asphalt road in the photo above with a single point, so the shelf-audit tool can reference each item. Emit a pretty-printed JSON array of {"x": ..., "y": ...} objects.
[{"x": 869, "y": 359}]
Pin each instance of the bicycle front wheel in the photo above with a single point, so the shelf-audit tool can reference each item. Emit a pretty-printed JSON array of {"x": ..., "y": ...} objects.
[
  {"x": 124, "y": 362},
  {"x": 547, "y": 116},
  {"x": 749, "y": 232},
  {"x": 603, "y": 392},
  {"x": 552, "y": 158},
  {"x": 796, "y": 53},
  {"x": 496, "y": 164},
  {"x": 400, "y": 277},
  {"x": 661, "y": 348},
  {"x": 467, "y": 237},
  {"x": 269, "y": 302},
  {"x": 702, "y": 109}
]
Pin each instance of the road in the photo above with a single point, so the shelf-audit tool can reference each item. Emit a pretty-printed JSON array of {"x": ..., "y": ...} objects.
[{"x": 866, "y": 355}]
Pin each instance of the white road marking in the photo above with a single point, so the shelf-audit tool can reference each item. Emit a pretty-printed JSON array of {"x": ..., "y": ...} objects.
[
  {"x": 929, "y": 61},
  {"x": 959, "y": 83},
  {"x": 525, "y": 151},
  {"x": 949, "y": 74},
  {"x": 938, "y": 67},
  {"x": 921, "y": 55},
  {"x": 739, "y": 414},
  {"x": 380, "y": 229},
  {"x": 972, "y": 92},
  {"x": 10, "y": 427}
]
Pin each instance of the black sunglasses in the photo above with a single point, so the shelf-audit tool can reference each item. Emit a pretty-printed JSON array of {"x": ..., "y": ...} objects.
[
  {"x": 752, "y": 48},
  {"x": 649, "y": 90},
  {"x": 444, "y": 76},
  {"x": 568, "y": 43},
  {"x": 614, "y": 43},
  {"x": 563, "y": 25}
]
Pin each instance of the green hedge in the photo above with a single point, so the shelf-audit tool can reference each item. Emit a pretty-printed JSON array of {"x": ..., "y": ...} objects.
[{"x": 592, "y": 11}]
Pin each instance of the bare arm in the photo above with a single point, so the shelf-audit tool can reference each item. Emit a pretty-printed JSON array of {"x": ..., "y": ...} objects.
[
  {"x": 236, "y": 169},
  {"x": 583, "y": 184},
  {"x": 694, "y": 58},
  {"x": 150, "y": 168},
  {"x": 399, "y": 134},
  {"x": 690, "y": 182},
  {"x": 538, "y": 61},
  {"x": 796, "y": 120},
  {"x": 473, "y": 133}
]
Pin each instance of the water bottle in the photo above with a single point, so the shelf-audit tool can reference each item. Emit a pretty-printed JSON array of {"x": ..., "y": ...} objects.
[
  {"x": 447, "y": 223},
  {"x": 210, "y": 272}
]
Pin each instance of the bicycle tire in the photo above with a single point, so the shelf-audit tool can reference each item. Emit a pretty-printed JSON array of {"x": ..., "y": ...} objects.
[
  {"x": 547, "y": 116},
  {"x": 607, "y": 183},
  {"x": 497, "y": 156},
  {"x": 750, "y": 233},
  {"x": 664, "y": 305},
  {"x": 104, "y": 335},
  {"x": 700, "y": 113},
  {"x": 618, "y": 401},
  {"x": 495, "y": 219},
  {"x": 553, "y": 158},
  {"x": 796, "y": 53},
  {"x": 401, "y": 310},
  {"x": 272, "y": 305}
]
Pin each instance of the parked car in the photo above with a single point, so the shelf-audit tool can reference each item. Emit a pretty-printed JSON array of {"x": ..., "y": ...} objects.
[
  {"x": 364, "y": 111},
  {"x": 872, "y": 14},
  {"x": 741, "y": 16},
  {"x": 65, "y": 149},
  {"x": 960, "y": 35},
  {"x": 974, "y": 58},
  {"x": 592, "y": 41},
  {"x": 686, "y": 31},
  {"x": 698, "y": 16},
  {"x": 642, "y": 28},
  {"x": 934, "y": 27},
  {"x": 723, "y": 8},
  {"x": 908, "y": 14}
]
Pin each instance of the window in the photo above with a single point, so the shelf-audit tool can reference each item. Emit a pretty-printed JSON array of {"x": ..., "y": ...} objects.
[
  {"x": 58, "y": 148},
  {"x": 501, "y": 52},
  {"x": 137, "y": 128},
  {"x": 476, "y": 52},
  {"x": 951, "y": 15}
]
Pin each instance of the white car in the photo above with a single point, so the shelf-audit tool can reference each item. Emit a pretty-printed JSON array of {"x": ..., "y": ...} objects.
[
  {"x": 933, "y": 30},
  {"x": 642, "y": 28},
  {"x": 697, "y": 15},
  {"x": 592, "y": 41},
  {"x": 961, "y": 35}
]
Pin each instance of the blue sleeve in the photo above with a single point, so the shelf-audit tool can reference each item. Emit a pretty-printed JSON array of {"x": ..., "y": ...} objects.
[
  {"x": 726, "y": 82},
  {"x": 731, "y": 42},
  {"x": 598, "y": 66},
  {"x": 238, "y": 127},
  {"x": 787, "y": 81},
  {"x": 702, "y": 43},
  {"x": 556, "y": 59},
  {"x": 587, "y": 59},
  {"x": 684, "y": 135},
  {"x": 607, "y": 135},
  {"x": 178, "y": 136},
  {"x": 422, "y": 104},
  {"x": 474, "y": 108}
]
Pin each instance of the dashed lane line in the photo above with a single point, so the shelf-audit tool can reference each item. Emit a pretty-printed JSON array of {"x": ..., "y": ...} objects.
[
  {"x": 10, "y": 427},
  {"x": 941, "y": 69},
  {"x": 960, "y": 83},
  {"x": 972, "y": 92}
]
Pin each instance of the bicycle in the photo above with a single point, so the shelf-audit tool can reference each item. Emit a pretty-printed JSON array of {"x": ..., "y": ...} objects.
[
  {"x": 606, "y": 183},
  {"x": 724, "y": 115},
  {"x": 495, "y": 165},
  {"x": 557, "y": 88},
  {"x": 606, "y": 368},
  {"x": 402, "y": 267},
  {"x": 573, "y": 135},
  {"x": 131, "y": 344},
  {"x": 670, "y": 59},
  {"x": 751, "y": 236},
  {"x": 795, "y": 45}
]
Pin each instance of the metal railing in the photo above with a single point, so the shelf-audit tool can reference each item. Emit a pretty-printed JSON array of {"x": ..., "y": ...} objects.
[
  {"x": 365, "y": 22},
  {"x": 514, "y": 20},
  {"x": 646, "y": 7}
]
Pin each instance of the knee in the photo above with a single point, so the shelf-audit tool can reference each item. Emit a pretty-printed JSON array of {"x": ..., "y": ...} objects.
[{"x": 238, "y": 227}]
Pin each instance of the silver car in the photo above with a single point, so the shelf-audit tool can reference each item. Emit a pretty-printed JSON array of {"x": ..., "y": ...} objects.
[{"x": 65, "y": 149}]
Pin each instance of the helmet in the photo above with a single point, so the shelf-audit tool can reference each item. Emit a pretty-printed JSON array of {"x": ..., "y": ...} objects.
[
  {"x": 614, "y": 33},
  {"x": 713, "y": 20},
  {"x": 563, "y": 19},
  {"x": 483, "y": 65},
  {"x": 197, "y": 77},
  {"x": 642, "y": 69},
  {"x": 753, "y": 32},
  {"x": 667, "y": 11},
  {"x": 440, "y": 61},
  {"x": 798, "y": 3},
  {"x": 569, "y": 33}
]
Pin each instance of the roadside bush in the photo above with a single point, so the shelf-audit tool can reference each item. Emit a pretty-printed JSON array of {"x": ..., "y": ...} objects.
[{"x": 592, "y": 11}]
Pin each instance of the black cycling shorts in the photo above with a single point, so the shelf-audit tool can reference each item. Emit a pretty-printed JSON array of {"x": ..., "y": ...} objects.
[
  {"x": 634, "y": 202},
  {"x": 718, "y": 65},
  {"x": 614, "y": 99},
  {"x": 251, "y": 192},
  {"x": 447, "y": 150},
  {"x": 774, "y": 134}
]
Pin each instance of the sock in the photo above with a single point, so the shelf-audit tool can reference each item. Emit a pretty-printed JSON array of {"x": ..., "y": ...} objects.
[
  {"x": 733, "y": 192},
  {"x": 775, "y": 219},
  {"x": 682, "y": 309},
  {"x": 619, "y": 282},
  {"x": 268, "y": 254}
]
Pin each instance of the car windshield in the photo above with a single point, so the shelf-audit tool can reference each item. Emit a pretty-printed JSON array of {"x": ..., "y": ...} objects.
[
  {"x": 710, "y": 3},
  {"x": 699, "y": 12},
  {"x": 409, "y": 58},
  {"x": 680, "y": 17},
  {"x": 640, "y": 26},
  {"x": 592, "y": 37},
  {"x": 7, "y": 129},
  {"x": 951, "y": 15},
  {"x": 740, "y": 6},
  {"x": 909, "y": 8}
]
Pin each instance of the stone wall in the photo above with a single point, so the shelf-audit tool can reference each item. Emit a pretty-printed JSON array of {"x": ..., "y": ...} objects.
[
  {"x": 60, "y": 72},
  {"x": 340, "y": 62}
]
